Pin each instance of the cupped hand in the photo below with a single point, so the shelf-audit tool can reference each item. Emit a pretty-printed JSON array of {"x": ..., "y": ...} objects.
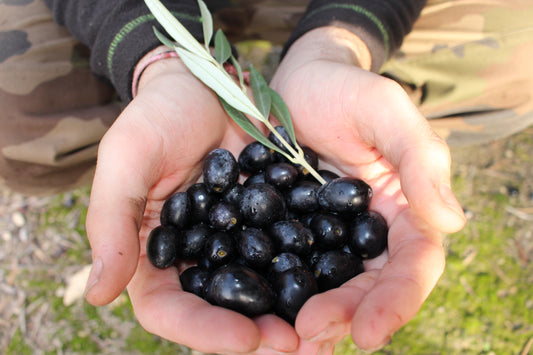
[
  {"x": 365, "y": 126},
  {"x": 153, "y": 149}
]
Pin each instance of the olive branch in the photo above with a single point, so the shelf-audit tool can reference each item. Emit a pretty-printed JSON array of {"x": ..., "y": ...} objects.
[{"x": 210, "y": 70}]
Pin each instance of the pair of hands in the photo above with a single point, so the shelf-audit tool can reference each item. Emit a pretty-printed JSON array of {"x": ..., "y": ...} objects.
[{"x": 358, "y": 122}]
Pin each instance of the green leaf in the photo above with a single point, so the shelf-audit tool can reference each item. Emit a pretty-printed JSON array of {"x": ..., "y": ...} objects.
[
  {"x": 207, "y": 23},
  {"x": 222, "y": 47},
  {"x": 237, "y": 66},
  {"x": 176, "y": 30},
  {"x": 220, "y": 82},
  {"x": 247, "y": 125},
  {"x": 261, "y": 91},
  {"x": 281, "y": 112},
  {"x": 163, "y": 39}
]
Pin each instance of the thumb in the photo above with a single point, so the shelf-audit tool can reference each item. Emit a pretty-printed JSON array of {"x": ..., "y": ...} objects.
[
  {"x": 421, "y": 157},
  {"x": 114, "y": 216}
]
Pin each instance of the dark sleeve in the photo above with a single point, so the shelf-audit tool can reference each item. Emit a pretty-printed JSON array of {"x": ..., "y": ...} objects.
[
  {"x": 381, "y": 24},
  {"x": 119, "y": 33}
]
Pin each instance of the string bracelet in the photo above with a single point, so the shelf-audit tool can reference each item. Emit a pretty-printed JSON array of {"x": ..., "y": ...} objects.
[{"x": 139, "y": 69}]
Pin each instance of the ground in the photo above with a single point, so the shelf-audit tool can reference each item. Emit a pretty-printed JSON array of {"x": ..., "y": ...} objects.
[{"x": 483, "y": 303}]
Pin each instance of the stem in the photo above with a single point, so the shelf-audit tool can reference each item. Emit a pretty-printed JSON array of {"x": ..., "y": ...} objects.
[{"x": 296, "y": 157}]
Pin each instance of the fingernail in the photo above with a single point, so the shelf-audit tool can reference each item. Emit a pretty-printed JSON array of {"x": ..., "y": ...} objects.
[
  {"x": 325, "y": 349},
  {"x": 94, "y": 275},
  {"x": 449, "y": 198},
  {"x": 333, "y": 330},
  {"x": 386, "y": 342}
]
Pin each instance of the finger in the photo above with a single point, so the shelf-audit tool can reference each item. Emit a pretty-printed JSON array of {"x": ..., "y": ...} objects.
[
  {"x": 416, "y": 263},
  {"x": 327, "y": 316},
  {"x": 162, "y": 308},
  {"x": 419, "y": 155},
  {"x": 277, "y": 336},
  {"x": 118, "y": 196}
]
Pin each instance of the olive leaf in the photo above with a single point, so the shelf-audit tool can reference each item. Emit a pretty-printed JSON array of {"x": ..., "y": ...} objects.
[
  {"x": 175, "y": 29},
  {"x": 207, "y": 23},
  {"x": 163, "y": 39},
  {"x": 247, "y": 125},
  {"x": 260, "y": 91},
  {"x": 220, "y": 83},
  {"x": 280, "y": 110},
  {"x": 237, "y": 66},
  {"x": 222, "y": 47}
]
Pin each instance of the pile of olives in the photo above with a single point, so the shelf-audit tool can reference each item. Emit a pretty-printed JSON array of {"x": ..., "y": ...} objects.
[{"x": 268, "y": 243}]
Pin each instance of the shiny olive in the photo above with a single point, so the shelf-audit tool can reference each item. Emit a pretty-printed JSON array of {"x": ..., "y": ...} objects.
[
  {"x": 283, "y": 262},
  {"x": 241, "y": 289},
  {"x": 201, "y": 201},
  {"x": 261, "y": 205},
  {"x": 281, "y": 175},
  {"x": 255, "y": 157},
  {"x": 368, "y": 234},
  {"x": 293, "y": 288},
  {"x": 255, "y": 247},
  {"x": 303, "y": 196},
  {"x": 219, "y": 249},
  {"x": 161, "y": 246},
  {"x": 224, "y": 216},
  {"x": 345, "y": 195},
  {"x": 191, "y": 245},
  {"x": 220, "y": 170},
  {"x": 291, "y": 236},
  {"x": 194, "y": 280},
  {"x": 330, "y": 231},
  {"x": 176, "y": 210},
  {"x": 335, "y": 267}
]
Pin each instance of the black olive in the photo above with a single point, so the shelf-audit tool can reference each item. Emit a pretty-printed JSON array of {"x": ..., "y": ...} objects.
[
  {"x": 191, "y": 245},
  {"x": 241, "y": 289},
  {"x": 368, "y": 234},
  {"x": 220, "y": 249},
  {"x": 255, "y": 248},
  {"x": 234, "y": 195},
  {"x": 328, "y": 175},
  {"x": 257, "y": 178},
  {"x": 281, "y": 175},
  {"x": 224, "y": 216},
  {"x": 293, "y": 288},
  {"x": 335, "y": 267},
  {"x": 303, "y": 197},
  {"x": 194, "y": 280},
  {"x": 261, "y": 205},
  {"x": 176, "y": 210},
  {"x": 283, "y": 133},
  {"x": 330, "y": 231},
  {"x": 292, "y": 236},
  {"x": 345, "y": 195},
  {"x": 201, "y": 202},
  {"x": 311, "y": 157},
  {"x": 220, "y": 170},
  {"x": 255, "y": 157},
  {"x": 161, "y": 246},
  {"x": 283, "y": 262}
]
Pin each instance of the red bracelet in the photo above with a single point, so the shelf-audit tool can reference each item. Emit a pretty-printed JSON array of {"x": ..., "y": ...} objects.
[{"x": 140, "y": 68}]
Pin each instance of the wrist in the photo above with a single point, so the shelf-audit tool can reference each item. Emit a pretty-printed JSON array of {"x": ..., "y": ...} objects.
[
  {"x": 159, "y": 60},
  {"x": 331, "y": 43}
]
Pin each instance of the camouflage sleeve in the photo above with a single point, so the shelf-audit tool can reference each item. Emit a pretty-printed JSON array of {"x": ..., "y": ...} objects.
[
  {"x": 119, "y": 33},
  {"x": 381, "y": 24}
]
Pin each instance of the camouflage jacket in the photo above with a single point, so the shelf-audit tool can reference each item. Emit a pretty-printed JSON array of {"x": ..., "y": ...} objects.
[{"x": 119, "y": 32}]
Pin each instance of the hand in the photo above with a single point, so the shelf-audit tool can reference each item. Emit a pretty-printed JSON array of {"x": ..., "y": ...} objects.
[
  {"x": 153, "y": 149},
  {"x": 366, "y": 126}
]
